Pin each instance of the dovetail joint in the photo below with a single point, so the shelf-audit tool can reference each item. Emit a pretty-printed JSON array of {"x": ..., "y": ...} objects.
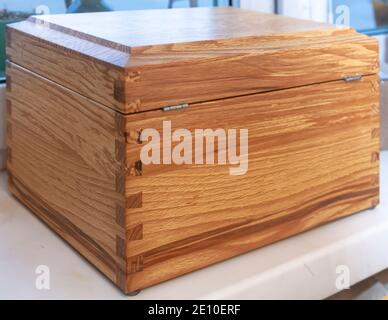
[
  {"x": 133, "y": 76},
  {"x": 375, "y": 133},
  {"x": 119, "y": 91},
  {"x": 120, "y": 215},
  {"x": 120, "y": 183},
  {"x": 9, "y": 130},
  {"x": 136, "y": 169},
  {"x": 375, "y": 157},
  {"x": 134, "y": 201},
  {"x": 9, "y": 107},
  {"x": 9, "y": 155},
  {"x": 120, "y": 124},
  {"x": 120, "y": 150},
  {"x": 135, "y": 264},
  {"x": 8, "y": 37},
  {"x": 135, "y": 233},
  {"x": 8, "y": 83},
  {"x": 134, "y": 137},
  {"x": 121, "y": 279},
  {"x": 120, "y": 247}
]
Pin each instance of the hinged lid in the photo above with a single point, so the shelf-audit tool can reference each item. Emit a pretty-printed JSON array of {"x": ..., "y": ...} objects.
[{"x": 136, "y": 61}]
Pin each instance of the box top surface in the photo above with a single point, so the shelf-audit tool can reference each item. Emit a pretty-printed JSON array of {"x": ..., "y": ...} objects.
[{"x": 126, "y": 30}]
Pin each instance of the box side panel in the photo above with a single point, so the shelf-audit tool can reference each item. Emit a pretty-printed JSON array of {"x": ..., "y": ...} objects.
[
  {"x": 64, "y": 163},
  {"x": 313, "y": 157}
]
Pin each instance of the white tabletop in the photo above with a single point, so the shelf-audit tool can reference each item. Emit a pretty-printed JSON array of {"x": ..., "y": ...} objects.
[{"x": 302, "y": 267}]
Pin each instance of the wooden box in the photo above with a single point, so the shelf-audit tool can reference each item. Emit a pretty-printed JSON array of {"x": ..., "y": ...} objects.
[{"x": 82, "y": 90}]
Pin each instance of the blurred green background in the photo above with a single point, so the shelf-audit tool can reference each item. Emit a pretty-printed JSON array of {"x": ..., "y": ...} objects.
[{"x": 3, "y": 23}]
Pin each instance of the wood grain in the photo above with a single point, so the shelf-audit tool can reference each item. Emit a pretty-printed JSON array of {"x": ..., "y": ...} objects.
[
  {"x": 173, "y": 26},
  {"x": 313, "y": 157},
  {"x": 67, "y": 60},
  {"x": 80, "y": 95},
  {"x": 149, "y": 70},
  {"x": 63, "y": 166},
  {"x": 76, "y": 165}
]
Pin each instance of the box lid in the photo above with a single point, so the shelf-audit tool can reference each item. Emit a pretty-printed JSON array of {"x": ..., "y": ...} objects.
[{"x": 134, "y": 61}]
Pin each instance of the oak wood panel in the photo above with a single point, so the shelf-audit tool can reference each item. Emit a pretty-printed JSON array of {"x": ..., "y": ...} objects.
[
  {"x": 313, "y": 157},
  {"x": 133, "y": 68},
  {"x": 66, "y": 166}
]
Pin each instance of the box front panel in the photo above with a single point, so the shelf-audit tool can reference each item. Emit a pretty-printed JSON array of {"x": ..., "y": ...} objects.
[{"x": 313, "y": 156}]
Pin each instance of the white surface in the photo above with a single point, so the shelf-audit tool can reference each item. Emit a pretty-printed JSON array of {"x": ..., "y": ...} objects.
[
  {"x": 2, "y": 126},
  {"x": 302, "y": 267}
]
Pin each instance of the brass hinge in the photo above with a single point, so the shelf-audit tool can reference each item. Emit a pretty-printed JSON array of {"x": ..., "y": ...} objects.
[
  {"x": 177, "y": 107},
  {"x": 353, "y": 78}
]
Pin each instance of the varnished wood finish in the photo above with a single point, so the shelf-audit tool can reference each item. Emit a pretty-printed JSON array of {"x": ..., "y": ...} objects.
[
  {"x": 313, "y": 157},
  {"x": 79, "y": 96},
  {"x": 64, "y": 59},
  {"x": 129, "y": 30},
  {"x": 310, "y": 162},
  {"x": 191, "y": 55},
  {"x": 65, "y": 165}
]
